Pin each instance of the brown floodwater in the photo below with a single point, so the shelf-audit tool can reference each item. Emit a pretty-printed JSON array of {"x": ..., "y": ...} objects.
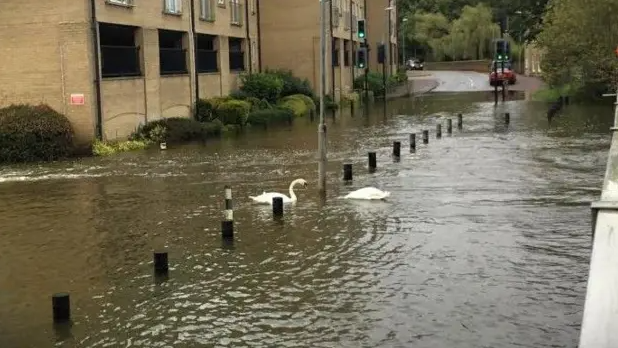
[{"x": 484, "y": 242}]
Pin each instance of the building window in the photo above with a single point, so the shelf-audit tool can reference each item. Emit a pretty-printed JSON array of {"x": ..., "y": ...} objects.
[
  {"x": 237, "y": 54},
  {"x": 207, "y": 54},
  {"x": 172, "y": 54},
  {"x": 335, "y": 51},
  {"x": 207, "y": 10},
  {"x": 119, "y": 53},
  {"x": 120, "y": 2},
  {"x": 236, "y": 13},
  {"x": 346, "y": 53},
  {"x": 173, "y": 6}
]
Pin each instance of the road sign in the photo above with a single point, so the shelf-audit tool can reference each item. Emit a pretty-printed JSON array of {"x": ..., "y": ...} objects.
[{"x": 77, "y": 99}]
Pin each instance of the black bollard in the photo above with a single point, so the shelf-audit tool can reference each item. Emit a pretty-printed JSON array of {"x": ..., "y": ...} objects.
[
  {"x": 507, "y": 118},
  {"x": 459, "y": 121},
  {"x": 449, "y": 126},
  {"x": 372, "y": 162},
  {"x": 347, "y": 172},
  {"x": 61, "y": 307},
  {"x": 161, "y": 266},
  {"x": 412, "y": 142},
  {"x": 229, "y": 212},
  {"x": 439, "y": 131},
  {"x": 227, "y": 229},
  {"x": 277, "y": 207},
  {"x": 425, "y": 137},
  {"x": 397, "y": 149}
]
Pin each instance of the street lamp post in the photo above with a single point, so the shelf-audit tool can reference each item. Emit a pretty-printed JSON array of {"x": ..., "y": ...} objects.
[{"x": 322, "y": 126}]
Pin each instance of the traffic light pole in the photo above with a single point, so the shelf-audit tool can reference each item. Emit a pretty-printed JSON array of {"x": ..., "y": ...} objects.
[
  {"x": 502, "y": 63},
  {"x": 495, "y": 68},
  {"x": 366, "y": 76}
]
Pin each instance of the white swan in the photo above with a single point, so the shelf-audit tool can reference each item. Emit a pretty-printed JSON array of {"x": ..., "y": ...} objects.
[
  {"x": 267, "y": 197},
  {"x": 368, "y": 193}
]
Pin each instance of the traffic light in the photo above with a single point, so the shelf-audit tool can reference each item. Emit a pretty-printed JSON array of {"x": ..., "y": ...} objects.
[
  {"x": 503, "y": 50},
  {"x": 361, "y": 58},
  {"x": 361, "y": 28}
]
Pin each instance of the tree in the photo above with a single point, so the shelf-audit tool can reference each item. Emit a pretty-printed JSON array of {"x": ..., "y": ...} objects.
[
  {"x": 578, "y": 42},
  {"x": 471, "y": 34}
]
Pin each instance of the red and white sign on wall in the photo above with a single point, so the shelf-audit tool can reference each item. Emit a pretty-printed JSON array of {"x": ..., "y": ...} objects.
[{"x": 77, "y": 99}]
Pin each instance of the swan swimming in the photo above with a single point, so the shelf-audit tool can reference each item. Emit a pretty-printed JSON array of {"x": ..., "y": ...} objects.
[
  {"x": 369, "y": 193},
  {"x": 267, "y": 197}
]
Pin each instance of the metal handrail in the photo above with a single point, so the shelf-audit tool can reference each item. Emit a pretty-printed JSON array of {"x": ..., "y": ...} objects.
[{"x": 600, "y": 317}]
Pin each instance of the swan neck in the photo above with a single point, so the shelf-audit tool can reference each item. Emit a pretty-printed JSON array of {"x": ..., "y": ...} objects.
[{"x": 292, "y": 194}]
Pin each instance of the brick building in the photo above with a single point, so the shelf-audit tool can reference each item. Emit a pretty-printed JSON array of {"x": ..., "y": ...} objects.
[{"x": 110, "y": 65}]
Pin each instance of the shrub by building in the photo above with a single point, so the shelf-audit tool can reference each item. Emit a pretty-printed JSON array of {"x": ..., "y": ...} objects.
[{"x": 34, "y": 133}]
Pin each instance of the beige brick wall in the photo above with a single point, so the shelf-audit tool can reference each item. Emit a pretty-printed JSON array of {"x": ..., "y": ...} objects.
[
  {"x": 46, "y": 47},
  {"x": 290, "y": 32},
  {"x": 170, "y": 96},
  {"x": 377, "y": 30}
]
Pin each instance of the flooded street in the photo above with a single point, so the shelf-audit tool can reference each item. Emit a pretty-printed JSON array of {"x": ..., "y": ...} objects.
[{"x": 484, "y": 242}]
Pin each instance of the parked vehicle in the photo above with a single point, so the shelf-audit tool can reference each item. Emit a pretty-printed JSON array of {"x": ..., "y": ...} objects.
[
  {"x": 414, "y": 64},
  {"x": 507, "y": 75}
]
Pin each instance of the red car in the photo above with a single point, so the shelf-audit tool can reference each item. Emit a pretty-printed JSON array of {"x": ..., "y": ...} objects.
[{"x": 508, "y": 74}]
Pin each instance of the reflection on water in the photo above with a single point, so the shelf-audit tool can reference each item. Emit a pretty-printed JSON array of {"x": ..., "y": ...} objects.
[{"x": 483, "y": 243}]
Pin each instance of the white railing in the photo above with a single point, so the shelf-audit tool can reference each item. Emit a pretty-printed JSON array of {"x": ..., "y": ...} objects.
[{"x": 600, "y": 321}]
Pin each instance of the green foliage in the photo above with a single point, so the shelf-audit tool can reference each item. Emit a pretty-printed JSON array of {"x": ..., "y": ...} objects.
[
  {"x": 296, "y": 105},
  {"x": 274, "y": 116},
  {"x": 262, "y": 86},
  {"x": 216, "y": 101},
  {"x": 34, "y": 133},
  {"x": 177, "y": 130},
  {"x": 292, "y": 84},
  {"x": 101, "y": 148},
  {"x": 204, "y": 110},
  {"x": 258, "y": 104},
  {"x": 233, "y": 112},
  {"x": 578, "y": 43}
]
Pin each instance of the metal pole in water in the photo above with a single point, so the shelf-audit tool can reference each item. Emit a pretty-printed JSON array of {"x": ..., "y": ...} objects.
[
  {"x": 425, "y": 137},
  {"x": 347, "y": 172},
  {"x": 371, "y": 156},
  {"x": 449, "y": 126},
  {"x": 322, "y": 126},
  {"x": 277, "y": 207},
  {"x": 459, "y": 121},
  {"x": 439, "y": 131},
  {"x": 412, "y": 142},
  {"x": 61, "y": 307}
]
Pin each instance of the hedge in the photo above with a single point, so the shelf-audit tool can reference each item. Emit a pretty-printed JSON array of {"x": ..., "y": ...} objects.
[
  {"x": 34, "y": 133},
  {"x": 267, "y": 117},
  {"x": 177, "y": 130},
  {"x": 233, "y": 112}
]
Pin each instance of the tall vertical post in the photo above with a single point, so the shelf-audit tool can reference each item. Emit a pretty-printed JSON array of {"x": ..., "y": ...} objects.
[{"x": 322, "y": 126}]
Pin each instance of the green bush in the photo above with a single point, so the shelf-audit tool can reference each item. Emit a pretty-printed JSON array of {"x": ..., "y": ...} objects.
[
  {"x": 272, "y": 116},
  {"x": 262, "y": 86},
  {"x": 216, "y": 101},
  {"x": 258, "y": 104},
  {"x": 177, "y": 130},
  {"x": 100, "y": 148},
  {"x": 375, "y": 83},
  {"x": 292, "y": 84},
  {"x": 233, "y": 112},
  {"x": 295, "y": 105},
  {"x": 204, "y": 110},
  {"x": 306, "y": 99},
  {"x": 34, "y": 133}
]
